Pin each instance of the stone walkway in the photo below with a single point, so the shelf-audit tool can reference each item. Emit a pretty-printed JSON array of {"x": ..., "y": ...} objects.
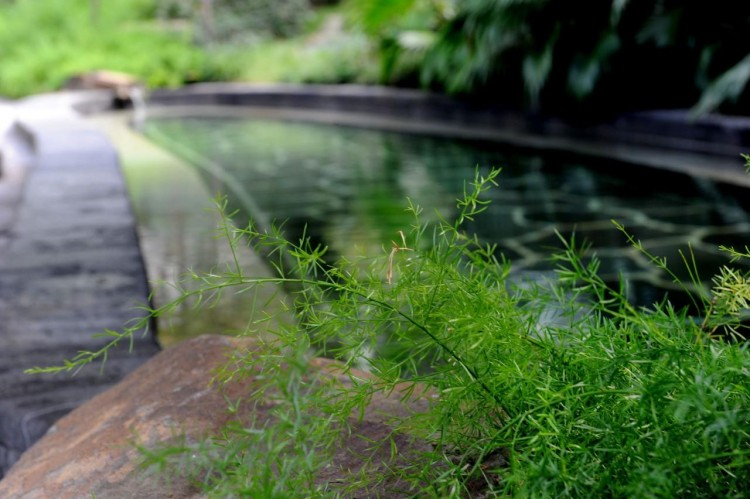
[{"x": 70, "y": 266}]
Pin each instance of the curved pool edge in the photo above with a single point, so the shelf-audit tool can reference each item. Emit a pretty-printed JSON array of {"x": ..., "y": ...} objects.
[{"x": 707, "y": 147}]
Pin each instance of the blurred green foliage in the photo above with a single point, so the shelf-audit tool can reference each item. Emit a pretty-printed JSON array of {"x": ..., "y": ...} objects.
[
  {"x": 167, "y": 43},
  {"x": 402, "y": 31},
  {"x": 44, "y": 42},
  {"x": 569, "y": 56},
  {"x": 237, "y": 21},
  {"x": 347, "y": 60}
]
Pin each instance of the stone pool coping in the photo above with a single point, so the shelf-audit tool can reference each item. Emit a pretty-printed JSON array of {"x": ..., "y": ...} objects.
[{"x": 665, "y": 139}]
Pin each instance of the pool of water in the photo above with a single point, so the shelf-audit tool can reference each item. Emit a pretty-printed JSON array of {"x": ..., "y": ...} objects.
[{"x": 349, "y": 187}]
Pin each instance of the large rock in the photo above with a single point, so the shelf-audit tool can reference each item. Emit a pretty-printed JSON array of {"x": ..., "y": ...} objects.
[{"x": 90, "y": 452}]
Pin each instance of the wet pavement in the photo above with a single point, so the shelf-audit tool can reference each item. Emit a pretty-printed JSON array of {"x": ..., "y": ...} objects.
[{"x": 70, "y": 266}]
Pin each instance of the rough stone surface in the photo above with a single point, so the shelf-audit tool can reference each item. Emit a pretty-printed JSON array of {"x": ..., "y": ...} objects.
[
  {"x": 90, "y": 452},
  {"x": 121, "y": 83},
  {"x": 70, "y": 267}
]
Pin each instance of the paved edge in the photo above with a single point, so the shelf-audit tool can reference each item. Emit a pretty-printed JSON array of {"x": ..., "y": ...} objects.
[{"x": 70, "y": 268}]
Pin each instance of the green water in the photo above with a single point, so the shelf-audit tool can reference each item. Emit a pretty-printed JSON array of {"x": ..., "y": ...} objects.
[{"x": 349, "y": 187}]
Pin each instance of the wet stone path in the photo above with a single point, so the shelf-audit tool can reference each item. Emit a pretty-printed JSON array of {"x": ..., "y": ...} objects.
[{"x": 70, "y": 267}]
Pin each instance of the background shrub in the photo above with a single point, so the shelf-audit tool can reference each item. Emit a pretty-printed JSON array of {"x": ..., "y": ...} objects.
[
  {"x": 44, "y": 42},
  {"x": 571, "y": 57},
  {"x": 235, "y": 21}
]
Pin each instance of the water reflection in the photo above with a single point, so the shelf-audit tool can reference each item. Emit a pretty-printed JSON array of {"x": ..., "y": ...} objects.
[{"x": 349, "y": 187}]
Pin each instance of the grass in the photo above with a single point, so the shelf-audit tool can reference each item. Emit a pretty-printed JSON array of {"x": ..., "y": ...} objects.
[
  {"x": 546, "y": 389},
  {"x": 45, "y": 42}
]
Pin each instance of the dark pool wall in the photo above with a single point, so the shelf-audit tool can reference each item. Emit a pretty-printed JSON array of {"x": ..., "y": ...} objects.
[{"x": 667, "y": 130}]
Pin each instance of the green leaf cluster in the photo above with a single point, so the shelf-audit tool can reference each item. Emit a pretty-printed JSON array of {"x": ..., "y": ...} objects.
[{"x": 569, "y": 57}]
